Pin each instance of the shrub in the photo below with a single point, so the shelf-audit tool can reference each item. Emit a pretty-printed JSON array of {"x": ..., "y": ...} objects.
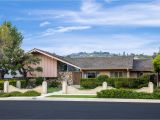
[
  {"x": 125, "y": 93},
  {"x": 116, "y": 82},
  {"x": 128, "y": 82},
  {"x": 102, "y": 78},
  {"x": 54, "y": 84},
  {"x": 15, "y": 93},
  {"x": 31, "y": 93},
  {"x": 89, "y": 83},
  {"x": 39, "y": 81}
]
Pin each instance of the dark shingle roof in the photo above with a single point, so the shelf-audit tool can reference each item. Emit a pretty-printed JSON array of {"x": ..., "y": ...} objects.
[
  {"x": 116, "y": 62},
  {"x": 103, "y": 62},
  {"x": 142, "y": 65}
]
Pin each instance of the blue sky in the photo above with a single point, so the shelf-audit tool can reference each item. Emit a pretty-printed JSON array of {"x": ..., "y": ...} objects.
[{"x": 70, "y": 26}]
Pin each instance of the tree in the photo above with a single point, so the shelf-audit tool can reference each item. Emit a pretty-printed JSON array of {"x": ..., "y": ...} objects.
[
  {"x": 156, "y": 63},
  {"x": 27, "y": 64},
  {"x": 11, "y": 40},
  {"x": 13, "y": 58}
]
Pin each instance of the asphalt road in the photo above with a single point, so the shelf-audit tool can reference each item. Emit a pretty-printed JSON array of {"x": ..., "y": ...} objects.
[{"x": 77, "y": 110}]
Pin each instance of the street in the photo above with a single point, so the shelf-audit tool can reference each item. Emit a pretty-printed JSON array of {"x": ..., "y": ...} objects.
[{"x": 77, "y": 110}]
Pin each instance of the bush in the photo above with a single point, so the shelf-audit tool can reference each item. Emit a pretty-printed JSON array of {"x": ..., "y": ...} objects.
[
  {"x": 54, "y": 84},
  {"x": 89, "y": 83},
  {"x": 128, "y": 82},
  {"x": 39, "y": 81},
  {"x": 16, "y": 93},
  {"x": 31, "y": 93},
  {"x": 125, "y": 93},
  {"x": 102, "y": 78},
  {"x": 140, "y": 82}
]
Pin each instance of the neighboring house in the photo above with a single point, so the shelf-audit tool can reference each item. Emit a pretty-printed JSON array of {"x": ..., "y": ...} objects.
[{"x": 90, "y": 67}]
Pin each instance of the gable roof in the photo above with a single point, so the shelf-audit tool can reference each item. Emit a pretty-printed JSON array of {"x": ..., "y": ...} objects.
[
  {"x": 103, "y": 62},
  {"x": 54, "y": 56},
  {"x": 142, "y": 65}
]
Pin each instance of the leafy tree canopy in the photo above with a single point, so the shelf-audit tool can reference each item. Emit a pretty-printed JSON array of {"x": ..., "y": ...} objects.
[
  {"x": 156, "y": 63},
  {"x": 12, "y": 57}
]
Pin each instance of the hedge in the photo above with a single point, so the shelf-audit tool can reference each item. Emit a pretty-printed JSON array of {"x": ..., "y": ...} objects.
[
  {"x": 16, "y": 93},
  {"x": 12, "y": 82},
  {"x": 128, "y": 82},
  {"x": 89, "y": 83},
  {"x": 140, "y": 82},
  {"x": 127, "y": 93}
]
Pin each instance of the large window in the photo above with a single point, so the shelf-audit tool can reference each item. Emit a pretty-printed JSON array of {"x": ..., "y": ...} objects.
[
  {"x": 118, "y": 74},
  {"x": 91, "y": 74},
  {"x": 62, "y": 67}
]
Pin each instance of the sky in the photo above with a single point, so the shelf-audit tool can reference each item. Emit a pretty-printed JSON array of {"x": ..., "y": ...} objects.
[{"x": 70, "y": 26}]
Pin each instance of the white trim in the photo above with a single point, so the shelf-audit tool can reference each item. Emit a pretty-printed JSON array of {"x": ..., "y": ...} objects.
[{"x": 36, "y": 50}]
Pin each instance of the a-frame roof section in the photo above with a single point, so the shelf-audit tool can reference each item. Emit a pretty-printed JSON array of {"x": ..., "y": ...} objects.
[{"x": 59, "y": 58}]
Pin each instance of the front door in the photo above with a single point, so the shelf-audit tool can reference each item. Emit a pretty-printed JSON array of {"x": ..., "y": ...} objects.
[{"x": 76, "y": 77}]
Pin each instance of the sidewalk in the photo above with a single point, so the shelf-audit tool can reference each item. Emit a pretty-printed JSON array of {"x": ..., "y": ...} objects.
[{"x": 80, "y": 99}]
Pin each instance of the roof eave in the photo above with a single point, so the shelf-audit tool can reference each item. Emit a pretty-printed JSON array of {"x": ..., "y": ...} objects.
[{"x": 36, "y": 50}]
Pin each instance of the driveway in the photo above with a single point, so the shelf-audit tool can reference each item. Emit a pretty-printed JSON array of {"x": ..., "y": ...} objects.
[{"x": 77, "y": 110}]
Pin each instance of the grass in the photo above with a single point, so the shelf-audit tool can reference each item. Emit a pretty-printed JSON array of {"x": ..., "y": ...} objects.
[
  {"x": 74, "y": 96},
  {"x": 50, "y": 90}
]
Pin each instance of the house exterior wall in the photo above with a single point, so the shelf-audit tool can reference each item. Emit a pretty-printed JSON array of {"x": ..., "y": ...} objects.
[
  {"x": 133, "y": 74},
  {"x": 48, "y": 64},
  {"x": 104, "y": 73}
]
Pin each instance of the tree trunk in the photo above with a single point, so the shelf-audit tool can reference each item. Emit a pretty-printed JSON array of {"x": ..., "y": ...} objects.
[{"x": 2, "y": 75}]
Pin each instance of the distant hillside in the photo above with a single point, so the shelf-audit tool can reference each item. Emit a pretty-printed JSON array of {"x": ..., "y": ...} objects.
[{"x": 105, "y": 54}]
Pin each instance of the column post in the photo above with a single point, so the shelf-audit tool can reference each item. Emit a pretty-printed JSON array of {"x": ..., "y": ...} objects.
[
  {"x": 6, "y": 87},
  {"x": 128, "y": 73}
]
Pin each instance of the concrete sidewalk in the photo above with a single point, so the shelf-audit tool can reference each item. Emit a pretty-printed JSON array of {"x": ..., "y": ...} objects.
[{"x": 80, "y": 99}]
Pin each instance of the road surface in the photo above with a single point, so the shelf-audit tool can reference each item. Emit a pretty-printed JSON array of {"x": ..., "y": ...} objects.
[{"x": 77, "y": 110}]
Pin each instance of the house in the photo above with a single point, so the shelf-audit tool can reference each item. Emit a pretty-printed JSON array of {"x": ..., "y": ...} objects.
[{"x": 90, "y": 67}]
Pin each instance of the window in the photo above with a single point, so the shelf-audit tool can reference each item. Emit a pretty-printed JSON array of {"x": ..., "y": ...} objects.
[
  {"x": 91, "y": 74},
  {"x": 118, "y": 74},
  {"x": 139, "y": 74}
]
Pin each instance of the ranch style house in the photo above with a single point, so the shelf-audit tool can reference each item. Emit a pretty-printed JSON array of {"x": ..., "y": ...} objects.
[{"x": 73, "y": 69}]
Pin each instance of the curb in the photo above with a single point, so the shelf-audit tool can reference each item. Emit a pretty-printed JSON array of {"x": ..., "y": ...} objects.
[{"x": 81, "y": 99}]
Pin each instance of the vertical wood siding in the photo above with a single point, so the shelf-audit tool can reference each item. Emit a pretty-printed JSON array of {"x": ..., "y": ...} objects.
[{"x": 48, "y": 64}]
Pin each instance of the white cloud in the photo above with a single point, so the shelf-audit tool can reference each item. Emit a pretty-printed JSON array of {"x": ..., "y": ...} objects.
[
  {"x": 51, "y": 31},
  {"x": 94, "y": 13},
  {"x": 72, "y": 28},
  {"x": 45, "y": 23},
  {"x": 90, "y": 6}
]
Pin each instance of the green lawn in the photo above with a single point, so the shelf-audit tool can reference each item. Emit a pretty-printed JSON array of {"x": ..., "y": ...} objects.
[
  {"x": 74, "y": 96},
  {"x": 50, "y": 90}
]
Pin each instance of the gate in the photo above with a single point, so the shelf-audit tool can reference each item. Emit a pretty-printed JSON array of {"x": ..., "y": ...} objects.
[{"x": 76, "y": 77}]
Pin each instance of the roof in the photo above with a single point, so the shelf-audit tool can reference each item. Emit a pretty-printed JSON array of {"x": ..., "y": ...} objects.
[
  {"x": 102, "y": 63},
  {"x": 116, "y": 62},
  {"x": 57, "y": 57},
  {"x": 142, "y": 65}
]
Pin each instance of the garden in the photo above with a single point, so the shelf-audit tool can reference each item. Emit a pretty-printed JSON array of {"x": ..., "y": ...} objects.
[
  {"x": 123, "y": 87},
  {"x": 52, "y": 86}
]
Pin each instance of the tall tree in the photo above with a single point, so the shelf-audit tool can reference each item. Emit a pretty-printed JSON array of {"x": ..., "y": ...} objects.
[
  {"x": 13, "y": 58},
  {"x": 156, "y": 63}
]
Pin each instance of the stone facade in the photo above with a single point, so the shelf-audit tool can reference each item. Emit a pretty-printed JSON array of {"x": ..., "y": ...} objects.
[{"x": 66, "y": 76}]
